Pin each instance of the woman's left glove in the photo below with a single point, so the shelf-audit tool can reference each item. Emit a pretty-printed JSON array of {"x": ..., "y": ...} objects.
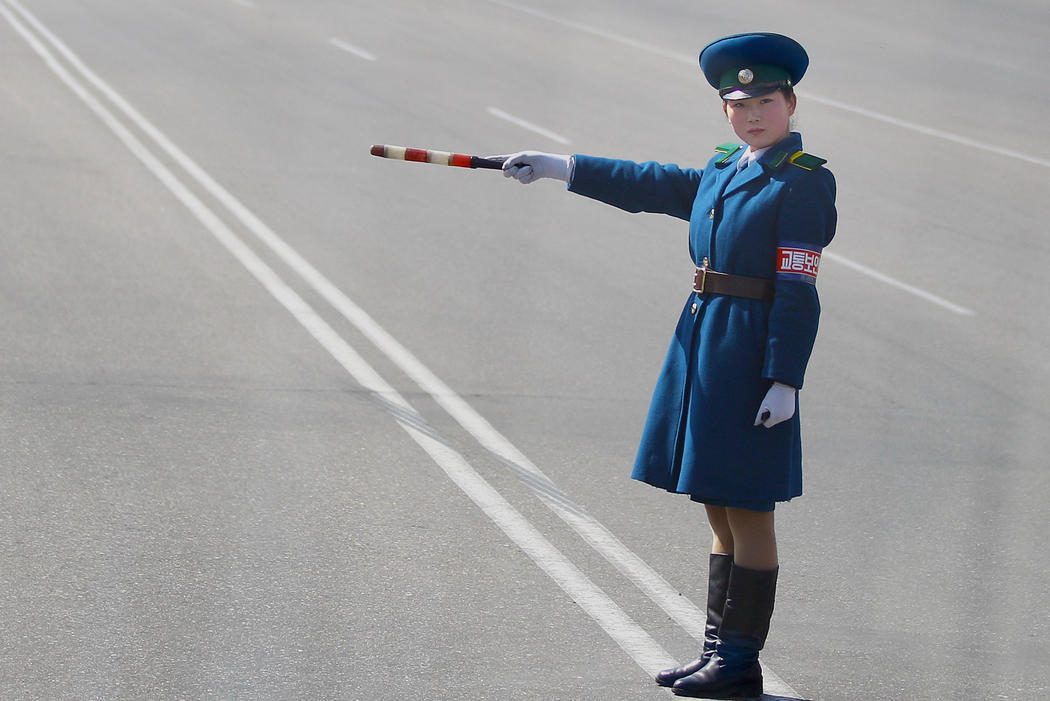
[
  {"x": 778, "y": 405},
  {"x": 527, "y": 166}
]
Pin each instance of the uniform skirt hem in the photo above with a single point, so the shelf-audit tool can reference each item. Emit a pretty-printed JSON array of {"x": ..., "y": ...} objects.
[
  {"x": 721, "y": 501},
  {"x": 735, "y": 504}
]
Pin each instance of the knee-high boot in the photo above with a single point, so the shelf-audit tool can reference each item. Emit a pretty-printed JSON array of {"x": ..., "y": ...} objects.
[
  {"x": 734, "y": 671},
  {"x": 717, "y": 586}
]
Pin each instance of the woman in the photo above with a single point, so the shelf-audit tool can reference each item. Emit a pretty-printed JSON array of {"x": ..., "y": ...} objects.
[{"x": 723, "y": 425}]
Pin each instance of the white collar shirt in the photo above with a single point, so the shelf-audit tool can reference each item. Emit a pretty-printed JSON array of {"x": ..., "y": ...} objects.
[{"x": 750, "y": 157}]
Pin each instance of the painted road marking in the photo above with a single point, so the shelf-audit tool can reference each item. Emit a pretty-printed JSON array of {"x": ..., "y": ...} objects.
[
  {"x": 593, "y": 532},
  {"x": 634, "y": 640},
  {"x": 591, "y": 29},
  {"x": 928, "y": 131},
  {"x": 893, "y": 282},
  {"x": 912, "y": 126},
  {"x": 684, "y": 612},
  {"x": 350, "y": 48},
  {"x": 693, "y": 61},
  {"x": 496, "y": 112},
  {"x": 691, "y": 619},
  {"x": 688, "y": 616}
]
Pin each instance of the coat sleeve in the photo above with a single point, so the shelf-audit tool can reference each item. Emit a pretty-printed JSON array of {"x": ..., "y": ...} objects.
[
  {"x": 805, "y": 225},
  {"x": 637, "y": 187}
]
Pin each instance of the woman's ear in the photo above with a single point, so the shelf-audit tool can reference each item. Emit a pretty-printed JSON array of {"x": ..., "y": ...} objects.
[{"x": 792, "y": 104}]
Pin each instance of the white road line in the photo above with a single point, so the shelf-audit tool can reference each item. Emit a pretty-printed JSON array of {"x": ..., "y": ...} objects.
[
  {"x": 912, "y": 126},
  {"x": 631, "y": 637},
  {"x": 694, "y": 61},
  {"x": 928, "y": 131},
  {"x": 863, "y": 269},
  {"x": 620, "y": 627},
  {"x": 350, "y": 48},
  {"x": 679, "y": 607},
  {"x": 593, "y": 532},
  {"x": 596, "y": 31},
  {"x": 527, "y": 125},
  {"x": 590, "y": 529},
  {"x": 893, "y": 282}
]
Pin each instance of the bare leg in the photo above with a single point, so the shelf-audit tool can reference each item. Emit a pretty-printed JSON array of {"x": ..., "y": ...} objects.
[
  {"x": 722, "y": 542},
  {"x": 754, "y": 539}
]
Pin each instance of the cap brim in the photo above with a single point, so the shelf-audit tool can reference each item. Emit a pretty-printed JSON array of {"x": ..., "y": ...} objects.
[{"x": 747, "y": 93}]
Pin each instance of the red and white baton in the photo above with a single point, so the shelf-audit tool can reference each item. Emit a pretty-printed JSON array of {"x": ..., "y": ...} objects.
[{"x": 444, "y": 158}]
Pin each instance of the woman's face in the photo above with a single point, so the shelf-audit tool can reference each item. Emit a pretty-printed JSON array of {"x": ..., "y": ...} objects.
[{"x": 761, "y": 121}]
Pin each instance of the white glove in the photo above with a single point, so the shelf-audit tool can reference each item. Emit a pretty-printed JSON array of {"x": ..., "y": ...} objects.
[
  {"x": 526, "y": 166},
  {"x": 778, "y": 405}
]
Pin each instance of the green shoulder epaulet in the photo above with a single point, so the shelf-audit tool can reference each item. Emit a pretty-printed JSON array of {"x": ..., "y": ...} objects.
[
  {"x": 806, "y": 160},
  {"x": 727, "y": 150}
]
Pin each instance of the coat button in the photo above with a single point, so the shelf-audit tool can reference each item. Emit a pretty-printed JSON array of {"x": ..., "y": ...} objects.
[
  {"x": 711, "y": 214},
  {"x": 692, "y": 309}
]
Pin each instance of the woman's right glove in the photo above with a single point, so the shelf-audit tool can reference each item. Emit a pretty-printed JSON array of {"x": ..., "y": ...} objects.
[{"x": 526, "y": 166}]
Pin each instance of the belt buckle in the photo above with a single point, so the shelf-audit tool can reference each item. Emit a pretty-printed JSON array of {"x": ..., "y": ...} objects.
[{"x": 701, "y": 277}]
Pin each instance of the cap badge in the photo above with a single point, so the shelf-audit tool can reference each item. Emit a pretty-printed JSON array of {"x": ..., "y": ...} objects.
[{"x": 745, "y": 76}]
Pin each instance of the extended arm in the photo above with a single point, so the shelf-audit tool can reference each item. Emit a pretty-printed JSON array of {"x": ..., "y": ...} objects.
[{"x": 634, "y": 187}]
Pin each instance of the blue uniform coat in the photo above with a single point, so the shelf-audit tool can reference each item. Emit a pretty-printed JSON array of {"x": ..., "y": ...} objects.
[{"x": 700, "y": 437}]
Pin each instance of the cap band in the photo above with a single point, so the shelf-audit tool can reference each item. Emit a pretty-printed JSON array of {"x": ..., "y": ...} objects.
[{"x": 747, "y": 76}]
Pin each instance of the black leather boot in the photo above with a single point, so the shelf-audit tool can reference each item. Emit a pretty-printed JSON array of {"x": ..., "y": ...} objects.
[
  {"x": 717, "y": 586},
  {"x": 734, "y": 671}
]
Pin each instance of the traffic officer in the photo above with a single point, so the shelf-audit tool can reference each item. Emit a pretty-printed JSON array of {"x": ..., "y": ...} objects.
[{"x": 723, "y": 425}]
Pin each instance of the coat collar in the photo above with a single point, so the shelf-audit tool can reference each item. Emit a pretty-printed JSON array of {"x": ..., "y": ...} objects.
[
  {"x": 778, "y": 154},
  {"x": 772, "y": 160}
]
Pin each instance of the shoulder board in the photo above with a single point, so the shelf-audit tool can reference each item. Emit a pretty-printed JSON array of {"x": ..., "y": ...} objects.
[
  {"x": 806, "y": 161},
  {"x": 727, "y": 150}
]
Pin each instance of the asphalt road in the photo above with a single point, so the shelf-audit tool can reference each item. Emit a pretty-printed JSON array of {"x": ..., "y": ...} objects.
[{"x": 281, "y": 420}]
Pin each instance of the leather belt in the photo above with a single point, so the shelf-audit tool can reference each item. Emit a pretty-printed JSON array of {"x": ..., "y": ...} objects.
[{"x": 709, "y": 281}]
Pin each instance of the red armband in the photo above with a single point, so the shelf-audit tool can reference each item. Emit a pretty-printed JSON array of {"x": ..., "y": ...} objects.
[{"x": 798, "y": 262}]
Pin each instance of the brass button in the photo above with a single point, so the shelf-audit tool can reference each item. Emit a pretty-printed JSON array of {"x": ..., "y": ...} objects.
[
  {"x": 692, "y": 310},
  {"x": 711, "y": 214}
]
